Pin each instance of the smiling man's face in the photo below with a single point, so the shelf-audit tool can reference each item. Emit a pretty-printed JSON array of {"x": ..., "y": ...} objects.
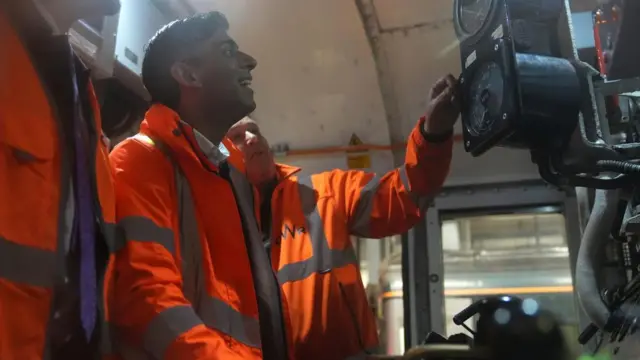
[
  {"x": 258, "y": 159},
  {"x": 223, "y": 74}
]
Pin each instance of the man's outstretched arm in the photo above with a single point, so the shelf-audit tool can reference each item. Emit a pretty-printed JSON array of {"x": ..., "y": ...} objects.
[{"x": 379, "y": 206}]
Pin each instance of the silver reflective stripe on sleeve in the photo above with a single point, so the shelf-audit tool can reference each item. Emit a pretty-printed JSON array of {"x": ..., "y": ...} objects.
[
  {"x": 167, "y": 326},
  {"x": 218, "y": 315},
  {"x": 140, "y": 228},
  {"x": 362, "y": 215},
  {"x": 422, "y": 202},
  {"x": 26, "y": 264},
  {"x": 324, "y": 258}
]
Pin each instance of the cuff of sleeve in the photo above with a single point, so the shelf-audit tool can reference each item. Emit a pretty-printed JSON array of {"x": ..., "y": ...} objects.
[
  {"x": 436, "y": 138},
  {"x": 427, "y": 162},
  {"x": 433, "y": 138},
  {"x": 422, "y": 138}
]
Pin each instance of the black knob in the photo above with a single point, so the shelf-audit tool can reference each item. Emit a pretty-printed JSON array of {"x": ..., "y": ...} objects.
[{"x": 519, "y": 329}]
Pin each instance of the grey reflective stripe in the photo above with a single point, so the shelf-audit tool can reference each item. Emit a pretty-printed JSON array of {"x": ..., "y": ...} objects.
[
  {"x": 213, "y": 312},
  {"x": 217, "y": 314},
  {"x": 106, "y": 339},
  {"x": 360, "y": 356},
  {"x": 266, "y": 286},
  {"x": 115, "y": 241},
  {"x": 26, "y": 265},
  {"x": 140, "y": 228},
  {"x": 190, "y": 248},
  {"x": 323, "y": 258},
  {"x": 422, "y": 202},
  {"x": 362, "y": 216},
  {"x": 167, "y": 326}
]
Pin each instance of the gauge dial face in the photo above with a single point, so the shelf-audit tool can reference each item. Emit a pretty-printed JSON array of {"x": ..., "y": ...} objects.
[
  {"x": 472, "y": 14},
  {"x": 485, "y": 98}
]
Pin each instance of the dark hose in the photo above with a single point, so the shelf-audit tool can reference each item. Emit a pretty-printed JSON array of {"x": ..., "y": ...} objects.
[
  {"x": 623, "y": 167},
  {"x": 590, "y": 261}
]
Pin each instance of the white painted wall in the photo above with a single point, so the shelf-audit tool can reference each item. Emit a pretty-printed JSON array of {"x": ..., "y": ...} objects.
[
  {"x": 420, "y": 55},
  {"x": 316, "y": 82},
  {"x": 139, "y": 20}
]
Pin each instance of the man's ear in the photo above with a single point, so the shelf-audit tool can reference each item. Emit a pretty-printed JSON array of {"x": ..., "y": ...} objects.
[{"x": 185, "y": 75}]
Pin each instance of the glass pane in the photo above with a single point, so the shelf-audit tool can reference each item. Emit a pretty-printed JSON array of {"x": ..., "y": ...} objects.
[
  {"x": 524, "y": 255},
  {"x": 379, "y": 258},
  {"x": 390, "y": 302}
]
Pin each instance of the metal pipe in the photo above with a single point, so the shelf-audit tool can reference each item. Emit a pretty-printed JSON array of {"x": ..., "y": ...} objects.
[
  {"x": 457, "y": 138},
  {"x": 590, "y": 255}
]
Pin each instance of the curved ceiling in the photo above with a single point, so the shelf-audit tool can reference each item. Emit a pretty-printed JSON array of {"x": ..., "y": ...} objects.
[{"x": 318, "y": 80}]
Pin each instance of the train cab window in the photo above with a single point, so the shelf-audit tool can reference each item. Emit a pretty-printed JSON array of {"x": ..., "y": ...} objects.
[{"x": 524, "y": 255}]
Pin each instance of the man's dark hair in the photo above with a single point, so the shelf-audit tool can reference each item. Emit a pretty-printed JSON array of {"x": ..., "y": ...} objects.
[{"x": 169, "y": 45}]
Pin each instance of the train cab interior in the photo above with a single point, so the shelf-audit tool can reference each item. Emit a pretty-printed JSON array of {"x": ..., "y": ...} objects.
[{"x": 334, "y": 74}]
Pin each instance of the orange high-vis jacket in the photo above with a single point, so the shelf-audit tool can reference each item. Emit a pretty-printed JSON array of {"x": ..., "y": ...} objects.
[
  {"x": 150, "y": 306},
  {"x": 35, "y": 174},
  {"x": 312, "y": 220}
]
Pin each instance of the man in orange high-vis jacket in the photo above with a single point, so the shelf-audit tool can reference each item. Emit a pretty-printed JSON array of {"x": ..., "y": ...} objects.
[
  {"x": 57, "y": 214},
  {"x": 193, "y": 280},
  {"x": 307, "y": 222}
]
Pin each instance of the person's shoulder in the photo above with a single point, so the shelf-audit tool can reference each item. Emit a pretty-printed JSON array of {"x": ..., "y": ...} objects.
[
  {"x": 134, "y": 150},
  {"x": 340, "y": 180},
  {"x": 135, "y": 157},
  {"x": 326, "y": 183},
  {"x": 335, "y": 175}
]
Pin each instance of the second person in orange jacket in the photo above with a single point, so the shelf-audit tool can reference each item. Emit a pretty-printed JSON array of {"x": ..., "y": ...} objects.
[
  {"x": 192, "y": 281},
  {"x": 307, "y": 221},
  {"x": 57, "y": 207}
]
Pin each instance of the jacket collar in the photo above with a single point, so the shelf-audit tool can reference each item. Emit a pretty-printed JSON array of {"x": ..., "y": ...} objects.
[
  {"x": 216, "y": 154},
  {"x": 184, "y": 141},
  {"x": 285, "y": 171}
]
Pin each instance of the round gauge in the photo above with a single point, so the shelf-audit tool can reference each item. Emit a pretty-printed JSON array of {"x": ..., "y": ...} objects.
[
  {"x": 472, "y": 14},
  {"x": 486, "y": 93}
]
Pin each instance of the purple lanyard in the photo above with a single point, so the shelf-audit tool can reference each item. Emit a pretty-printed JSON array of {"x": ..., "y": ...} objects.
[{"x": 85, "y": 218}]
